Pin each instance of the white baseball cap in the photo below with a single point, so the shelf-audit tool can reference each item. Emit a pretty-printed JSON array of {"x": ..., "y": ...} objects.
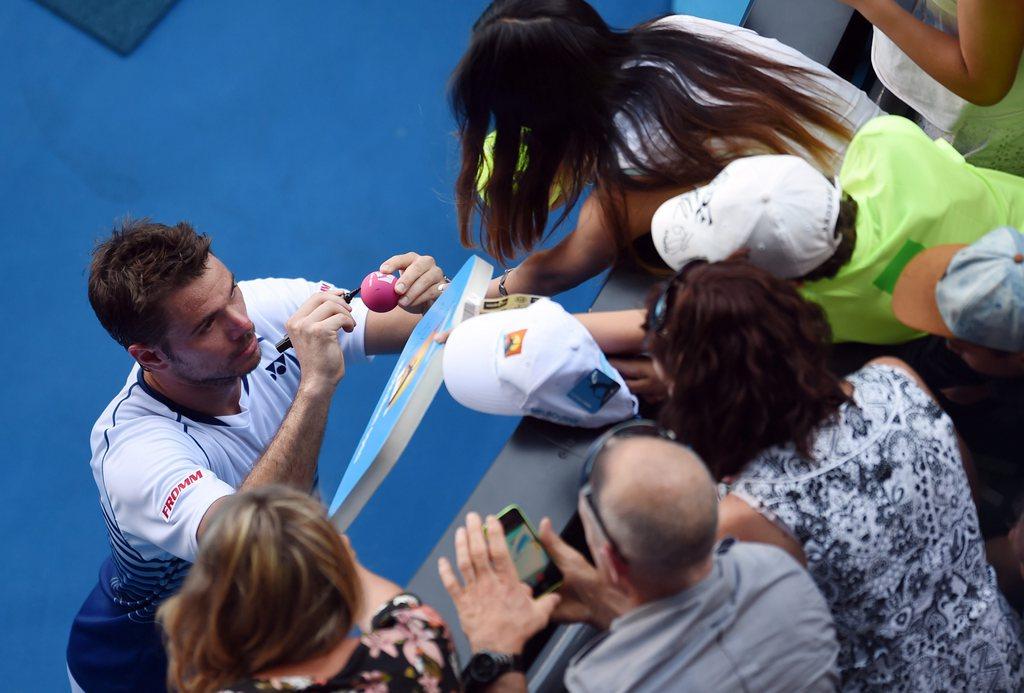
[
  {"x": 778, "y": 206},
  {"x": 536, "y": 361}
]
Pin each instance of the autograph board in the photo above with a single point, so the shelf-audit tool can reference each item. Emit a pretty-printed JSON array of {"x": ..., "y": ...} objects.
[{"x": 408, "y": 393}]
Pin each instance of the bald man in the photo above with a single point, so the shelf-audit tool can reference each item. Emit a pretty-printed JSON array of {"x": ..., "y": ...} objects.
[
  {"x": 677, "y": 612},
  {"x": 685, "y": 615}
]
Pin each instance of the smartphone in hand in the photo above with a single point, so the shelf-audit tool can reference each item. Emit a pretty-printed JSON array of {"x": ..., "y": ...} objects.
[{"x": 533, "y": 565}]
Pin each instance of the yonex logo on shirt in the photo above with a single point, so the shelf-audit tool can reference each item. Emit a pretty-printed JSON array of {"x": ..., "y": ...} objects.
[
  {"x": 277, "y": 367},
  {"x": 172, "y": 498}
]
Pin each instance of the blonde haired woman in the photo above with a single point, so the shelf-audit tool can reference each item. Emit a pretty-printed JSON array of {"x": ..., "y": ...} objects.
[{"x": 271, "y": 603}]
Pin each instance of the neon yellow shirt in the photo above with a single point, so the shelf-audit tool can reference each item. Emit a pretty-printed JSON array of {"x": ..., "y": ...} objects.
[{"x": 911, "y": 193}]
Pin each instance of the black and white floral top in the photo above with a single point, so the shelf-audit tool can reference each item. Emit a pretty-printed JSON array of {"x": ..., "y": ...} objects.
[{"x": 885, "y": 517}]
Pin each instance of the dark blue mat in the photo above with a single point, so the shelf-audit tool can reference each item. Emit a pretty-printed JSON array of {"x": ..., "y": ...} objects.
[{"x": 118, "y": 24}]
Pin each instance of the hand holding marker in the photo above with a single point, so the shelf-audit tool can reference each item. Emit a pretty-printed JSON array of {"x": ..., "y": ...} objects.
[{"x": 378, "y": 290}]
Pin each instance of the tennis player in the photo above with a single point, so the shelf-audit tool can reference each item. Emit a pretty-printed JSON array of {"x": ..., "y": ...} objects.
[{"x": 209, "y": 407}]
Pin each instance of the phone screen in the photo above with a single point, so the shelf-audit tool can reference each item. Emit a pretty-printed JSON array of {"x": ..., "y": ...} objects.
[{"x": 533, "y": 565}]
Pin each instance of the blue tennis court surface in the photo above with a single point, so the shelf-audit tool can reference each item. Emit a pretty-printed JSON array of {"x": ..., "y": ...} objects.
[
  {"x": 731, "y": 11},
  {"x": 309, "y": 139}
]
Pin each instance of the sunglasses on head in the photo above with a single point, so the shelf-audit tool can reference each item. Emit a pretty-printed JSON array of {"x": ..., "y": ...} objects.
[
  {"x": 657, "y": 317},
  {"x": 627, "y": 429}
]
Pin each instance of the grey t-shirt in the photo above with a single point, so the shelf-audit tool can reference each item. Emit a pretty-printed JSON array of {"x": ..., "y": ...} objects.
[{"x": 756, "y": 623}]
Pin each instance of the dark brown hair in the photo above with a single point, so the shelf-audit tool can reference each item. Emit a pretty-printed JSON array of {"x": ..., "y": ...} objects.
[
  {"x": 135, "y": 269},
  {"x": 551, "y": 76},
  {"x": 746, "y": 356},
  {"x": 846, "y": 229},
  {"x": 273, "y": 584}
]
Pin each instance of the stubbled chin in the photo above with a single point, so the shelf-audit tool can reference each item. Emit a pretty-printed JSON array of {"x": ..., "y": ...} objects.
[{"x": 253, "y": 363}]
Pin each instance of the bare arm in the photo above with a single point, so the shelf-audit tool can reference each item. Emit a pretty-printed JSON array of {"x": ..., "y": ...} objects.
[
  {"x": 616, "y": 331},
  {"x": 376, "y": 590},
  {"x": 291, "y": 458},
  {"x": 386, "y": 333},
  {"x": 584, "y": 253},
  {"x": 980, "y": 65},
  {"x": 292, "y": 455},
  {"x": 590, "y": 249},
  {"x": 739, "y": 520}
]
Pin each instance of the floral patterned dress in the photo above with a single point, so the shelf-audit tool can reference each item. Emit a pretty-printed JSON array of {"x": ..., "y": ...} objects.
[
  {"x": 886, "y": 520},
  {"x": 408, "y": 649}
]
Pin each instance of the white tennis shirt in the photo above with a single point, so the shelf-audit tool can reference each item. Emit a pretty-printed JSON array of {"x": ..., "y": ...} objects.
[{"x": 160, "y": 466}]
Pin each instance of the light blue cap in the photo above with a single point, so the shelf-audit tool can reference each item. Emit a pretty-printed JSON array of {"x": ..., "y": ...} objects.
[{"x": 981, "y": 295}]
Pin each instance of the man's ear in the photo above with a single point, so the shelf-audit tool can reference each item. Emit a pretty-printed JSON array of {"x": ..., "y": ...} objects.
[
  {"x": 151, "y": 358},
  {"x": 616, "y": 569}
]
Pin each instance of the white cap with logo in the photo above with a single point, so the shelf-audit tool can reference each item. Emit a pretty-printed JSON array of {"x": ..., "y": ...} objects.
[
  {"x": 779, "y": 207},
  {"x": 537, "y": 361}
]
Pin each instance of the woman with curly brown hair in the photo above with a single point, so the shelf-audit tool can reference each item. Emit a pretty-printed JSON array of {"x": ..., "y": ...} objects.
[
  {"x": 860, "y": 479},
  {"x": 272, "y": 599}
]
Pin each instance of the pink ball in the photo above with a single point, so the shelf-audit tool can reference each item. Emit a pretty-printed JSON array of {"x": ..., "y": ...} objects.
[{"x": 378, "y": 292}]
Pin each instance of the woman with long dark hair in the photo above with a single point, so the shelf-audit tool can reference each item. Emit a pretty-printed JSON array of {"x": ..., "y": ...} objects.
[
  {"x": 639, "y": 115},
  {"x": 860, "y": 479}
]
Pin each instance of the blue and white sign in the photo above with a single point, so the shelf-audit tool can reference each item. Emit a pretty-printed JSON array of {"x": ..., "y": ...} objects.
[{"x": 409, "y": 391}]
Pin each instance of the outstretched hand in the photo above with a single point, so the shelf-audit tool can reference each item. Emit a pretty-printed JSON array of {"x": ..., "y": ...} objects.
[
  {"x": 496, "y": 610},
  {"x": 420, "y": 280}
]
